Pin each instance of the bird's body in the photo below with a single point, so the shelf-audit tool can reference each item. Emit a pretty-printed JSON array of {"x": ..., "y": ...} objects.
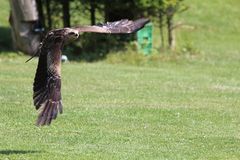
[{"x": 47, "y": 82}]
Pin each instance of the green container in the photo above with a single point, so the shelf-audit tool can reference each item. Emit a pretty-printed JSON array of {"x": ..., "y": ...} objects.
[{"x": 144, "y": 38}]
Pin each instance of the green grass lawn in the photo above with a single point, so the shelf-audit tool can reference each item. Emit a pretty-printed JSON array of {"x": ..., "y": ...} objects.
[
  {"x": 179, "y": 109},
  {"x": 175, "y": 111},
  {"x": 211, "y": 26}
]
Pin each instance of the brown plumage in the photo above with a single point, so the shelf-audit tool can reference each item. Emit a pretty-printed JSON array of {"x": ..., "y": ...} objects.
[{"x": 47, "y": 82}]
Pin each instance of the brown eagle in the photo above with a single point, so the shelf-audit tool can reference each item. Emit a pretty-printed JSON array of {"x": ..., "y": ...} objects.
[{"x": 47, "y": 82}]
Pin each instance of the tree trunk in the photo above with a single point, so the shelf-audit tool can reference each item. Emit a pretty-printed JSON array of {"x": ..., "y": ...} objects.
[
  {"x": 106, "y": 10},
  {"x": 161, "y": 28},
  {"x": 92, "y": 11},
  {"x": 66, "y": 14},
  {"x": 49, "y": 19},
  {"x": 171, "y": 36},
  {"x": 40, "y": 13}
]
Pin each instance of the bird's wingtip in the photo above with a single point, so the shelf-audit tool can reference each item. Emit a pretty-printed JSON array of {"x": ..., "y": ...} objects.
[{"x": 49, "y": 112}]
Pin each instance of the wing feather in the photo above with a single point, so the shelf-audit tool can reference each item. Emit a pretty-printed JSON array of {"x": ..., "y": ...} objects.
[
  {"x": 47, "y": 90},
  {"x": 122, "y": 26}
]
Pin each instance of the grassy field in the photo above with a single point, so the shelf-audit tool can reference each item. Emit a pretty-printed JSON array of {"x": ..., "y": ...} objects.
[{"x": 176, "y": 109}]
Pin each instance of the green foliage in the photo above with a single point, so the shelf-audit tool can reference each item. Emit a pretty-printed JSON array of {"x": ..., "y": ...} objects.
[
  {"x": 6, "y": 42},
  {"x": 154, "y": 7},
  {"x": 93, "y": 46},
  {"x": 56, "y": 14},
  {"x": 131, "y": 56},
  {"x": 4, "y": 12},
  {"x": 163, "y": 11}
]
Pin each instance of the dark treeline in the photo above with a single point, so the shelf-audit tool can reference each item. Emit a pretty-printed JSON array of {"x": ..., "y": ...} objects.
[{"x": 58, "y": 12}]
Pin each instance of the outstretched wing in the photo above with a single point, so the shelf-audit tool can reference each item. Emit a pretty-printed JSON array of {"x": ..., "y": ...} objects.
[
  {"x": 122, "y": 26},
  {"x": 47, "y": 87}
]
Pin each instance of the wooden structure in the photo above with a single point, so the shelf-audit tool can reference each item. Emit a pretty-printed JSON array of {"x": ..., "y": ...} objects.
[{"x": 23, "y": 17}]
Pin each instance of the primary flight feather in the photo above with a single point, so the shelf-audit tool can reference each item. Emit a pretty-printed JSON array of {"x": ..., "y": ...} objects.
[{"x": 47, "y": 83}]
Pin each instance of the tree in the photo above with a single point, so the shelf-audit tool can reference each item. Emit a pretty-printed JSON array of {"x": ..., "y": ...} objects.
[
  {"x": 165, "y": 10},
  {"x": 154, "y": 9},
  {"x": 171, "y": 7},
  {"x": 66, "y": 14},
  {"x": 120, "y": 9},
  {"x": 92, "y": 11},
  {"x": 40, "y": 13},
  {"x": 48, "y": 9}
]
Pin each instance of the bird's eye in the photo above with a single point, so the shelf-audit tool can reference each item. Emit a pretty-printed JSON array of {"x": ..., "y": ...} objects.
[
  {"x": 50, "y": 33},
  {"x": 73, "y": 34}
]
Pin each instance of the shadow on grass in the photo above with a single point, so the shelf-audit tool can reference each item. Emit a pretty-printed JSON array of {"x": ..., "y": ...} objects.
[
  {"x": 5, "y": 40},
  {"x": 9, "y": 152}
]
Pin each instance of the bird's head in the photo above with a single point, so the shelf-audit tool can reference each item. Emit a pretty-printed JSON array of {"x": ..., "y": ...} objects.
[
  {"x": 70, "y": 34},
  {"x": 62, "y": 36}
]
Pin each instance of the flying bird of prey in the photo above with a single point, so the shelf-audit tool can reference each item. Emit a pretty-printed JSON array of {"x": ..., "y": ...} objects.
[{"x": 47, "y": 82}]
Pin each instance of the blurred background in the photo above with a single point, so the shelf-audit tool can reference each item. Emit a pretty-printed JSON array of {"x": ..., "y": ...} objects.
[{"x": 178, "y": 27}]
